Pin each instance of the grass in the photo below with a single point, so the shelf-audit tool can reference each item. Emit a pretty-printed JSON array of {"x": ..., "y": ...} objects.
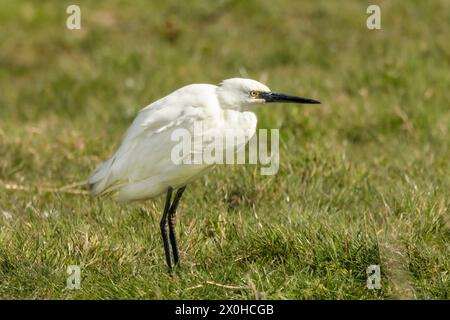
[{"x": 364, "y": 178}]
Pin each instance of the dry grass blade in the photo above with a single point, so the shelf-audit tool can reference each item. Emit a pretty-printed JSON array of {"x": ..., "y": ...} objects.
[{"x": 65, "y": 189}]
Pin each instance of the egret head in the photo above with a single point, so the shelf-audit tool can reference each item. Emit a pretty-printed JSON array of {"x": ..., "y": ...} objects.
[{"x": 237, "y": 93}]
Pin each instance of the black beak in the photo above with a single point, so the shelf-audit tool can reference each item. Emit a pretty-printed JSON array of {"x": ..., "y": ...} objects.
[{"x": 280, "y": 97}]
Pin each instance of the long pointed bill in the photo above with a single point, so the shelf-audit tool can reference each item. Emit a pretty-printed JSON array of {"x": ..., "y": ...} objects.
[{"x": 281, "y": 97}]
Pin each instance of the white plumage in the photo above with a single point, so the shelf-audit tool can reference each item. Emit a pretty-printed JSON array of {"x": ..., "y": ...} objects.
[{"x": 142, "y": 167}]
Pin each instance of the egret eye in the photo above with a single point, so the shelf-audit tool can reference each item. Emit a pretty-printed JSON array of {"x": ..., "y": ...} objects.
[{"x": 254, "y": 93}]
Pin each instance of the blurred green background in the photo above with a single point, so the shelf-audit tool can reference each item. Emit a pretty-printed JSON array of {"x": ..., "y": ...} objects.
[{"x": 364, "y": 178}]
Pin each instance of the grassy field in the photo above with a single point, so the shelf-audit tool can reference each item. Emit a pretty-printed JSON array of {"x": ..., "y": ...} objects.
[{"x": 364, "y": 178}]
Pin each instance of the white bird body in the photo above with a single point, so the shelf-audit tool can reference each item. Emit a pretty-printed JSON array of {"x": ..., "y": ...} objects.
[{"x": 142, "y": 167}]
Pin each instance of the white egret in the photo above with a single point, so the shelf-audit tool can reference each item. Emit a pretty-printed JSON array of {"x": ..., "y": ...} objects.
[{"x": 142, "y": 167}]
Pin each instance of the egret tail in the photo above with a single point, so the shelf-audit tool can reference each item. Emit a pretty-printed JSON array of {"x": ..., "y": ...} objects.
[{"x": 99, "y": 179}]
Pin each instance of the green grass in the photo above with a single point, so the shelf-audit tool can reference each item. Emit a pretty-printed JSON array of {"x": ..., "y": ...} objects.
[{"x": 364, "y": 178}]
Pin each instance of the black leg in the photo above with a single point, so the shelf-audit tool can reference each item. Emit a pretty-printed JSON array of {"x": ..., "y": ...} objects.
[
  {"x": 163, "y": 224},
  {"x": 172, "y": 222}
]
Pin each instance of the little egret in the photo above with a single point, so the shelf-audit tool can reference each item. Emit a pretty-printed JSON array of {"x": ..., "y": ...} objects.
[{"x": 142, "y": 167}]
